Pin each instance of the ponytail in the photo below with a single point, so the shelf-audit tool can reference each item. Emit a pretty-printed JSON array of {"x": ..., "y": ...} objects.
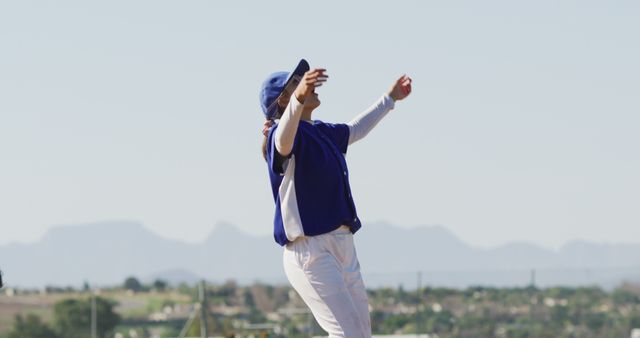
[
  {"x": 264, "y": 148},
  {"x": 265, "y": 131}
]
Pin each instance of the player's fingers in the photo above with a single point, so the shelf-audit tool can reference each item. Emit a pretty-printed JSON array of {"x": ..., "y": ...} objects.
[
  {"x": 316, "y": 71},
  {"x": 318, "y": 74},
  {"x": 315, "y": 82},
  {"x": 315, "y": 79}
]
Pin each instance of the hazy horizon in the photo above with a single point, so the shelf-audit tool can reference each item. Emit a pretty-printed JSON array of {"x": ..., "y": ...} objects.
[
  {"x": 268, "y": 235},
  {"x": 522, "y": 125},
  {"x": 121, "y": 249}
]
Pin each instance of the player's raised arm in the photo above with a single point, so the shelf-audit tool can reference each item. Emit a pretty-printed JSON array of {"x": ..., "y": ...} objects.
[
  {"x": 288, "y": 126},
  {"x": 362, "y": 124}
]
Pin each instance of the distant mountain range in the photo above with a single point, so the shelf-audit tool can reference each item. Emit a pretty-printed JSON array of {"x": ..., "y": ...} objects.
[{"x": 108, "y": 252}]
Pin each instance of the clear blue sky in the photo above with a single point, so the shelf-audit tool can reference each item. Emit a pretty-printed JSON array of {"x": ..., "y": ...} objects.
[{"x": 523, "y": 123}]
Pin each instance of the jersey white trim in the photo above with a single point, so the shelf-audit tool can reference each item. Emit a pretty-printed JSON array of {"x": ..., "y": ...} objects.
[{"x": 291, "y": 220}]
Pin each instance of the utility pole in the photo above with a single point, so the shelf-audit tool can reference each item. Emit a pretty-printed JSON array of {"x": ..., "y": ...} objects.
[
  {"x": 198, "y": 308},
  {"x": 533, "y": 277},
  {"x": 532, "y": 307},
  {"x": 94, "y": 315},
  {"x": 419, "y": 301},
  {"x": 203, "y": 311}
]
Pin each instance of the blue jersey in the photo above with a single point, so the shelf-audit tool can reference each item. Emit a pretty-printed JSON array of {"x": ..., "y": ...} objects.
[{"x": 311, "y": 187}]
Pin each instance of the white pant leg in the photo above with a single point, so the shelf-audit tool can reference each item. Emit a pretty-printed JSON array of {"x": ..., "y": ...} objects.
[
  {"x": 316, "y": 273},
  {"x": 353, "y": 279}
]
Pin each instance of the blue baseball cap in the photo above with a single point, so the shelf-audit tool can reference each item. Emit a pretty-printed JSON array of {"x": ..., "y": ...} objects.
[{"x": 275, "y": 84}]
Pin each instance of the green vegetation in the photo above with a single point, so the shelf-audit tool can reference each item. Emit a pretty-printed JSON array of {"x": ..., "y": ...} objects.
[
  {"x": 73, "y": 317},
  {"x": 162, "y": 310},
  {"x": 32, "y": 327},
  {"x": 132, "y": 284},
  {"x": 72, "y": 320}
]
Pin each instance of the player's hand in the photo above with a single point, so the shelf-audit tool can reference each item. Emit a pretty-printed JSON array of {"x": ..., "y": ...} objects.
[
  {"x": 401, "y": 88},
  {"x": 311, "y": 79}
]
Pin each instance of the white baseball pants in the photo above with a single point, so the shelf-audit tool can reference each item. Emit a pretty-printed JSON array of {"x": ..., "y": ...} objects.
[{"x": 325, "y": 272}]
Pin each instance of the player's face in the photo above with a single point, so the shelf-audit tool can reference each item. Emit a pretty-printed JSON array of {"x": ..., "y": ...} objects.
[
  {"x": 312, "y": 102},
  {"x": 283, "y": 100}
]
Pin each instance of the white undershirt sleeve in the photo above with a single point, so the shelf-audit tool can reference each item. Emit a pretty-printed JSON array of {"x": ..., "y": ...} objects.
[
  {"x": 288, "y": 126},
  {"x": 362, "y": 124}
]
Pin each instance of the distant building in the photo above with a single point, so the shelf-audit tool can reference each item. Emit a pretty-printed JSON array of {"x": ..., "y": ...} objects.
[{"x": 635, "y": 333}]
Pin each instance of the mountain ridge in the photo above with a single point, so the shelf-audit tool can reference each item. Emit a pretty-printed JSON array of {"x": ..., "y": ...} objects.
[{"x": 107, "y": 252}]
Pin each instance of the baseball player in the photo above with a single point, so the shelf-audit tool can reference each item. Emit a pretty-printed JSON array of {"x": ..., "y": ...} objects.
[{"x": 315, "y": 216}]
